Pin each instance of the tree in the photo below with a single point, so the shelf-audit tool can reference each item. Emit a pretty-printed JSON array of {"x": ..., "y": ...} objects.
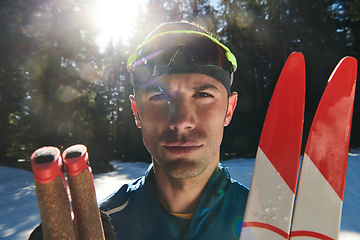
[
  {"x": 57, "y": 88},
  {"x": 204, "y": 14},
  {"x": 345, "y": 16},
  {"x": 125, "y": 138},
  {"x": 51, "y": 49},
  {"x": 15, "y": 50},
  {"x": 262, "y": 34}
]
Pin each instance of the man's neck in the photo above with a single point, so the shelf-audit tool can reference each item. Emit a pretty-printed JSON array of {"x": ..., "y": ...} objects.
[{"x": 181, "y": 195}]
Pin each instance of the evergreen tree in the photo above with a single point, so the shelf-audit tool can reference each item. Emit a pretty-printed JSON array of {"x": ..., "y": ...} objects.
[
  {"x": 126, "y": 140},
  {"x": 204, "y": 14},
  {"x": 263, "y": 34},
  {"x": 15, "y": 49},
  {"x": 57, "y": 88},
  {"x": 54, "y": 53},
  {"x": 345, "y": 16}
]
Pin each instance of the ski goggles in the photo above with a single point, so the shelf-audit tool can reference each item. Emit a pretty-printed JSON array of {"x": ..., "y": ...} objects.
[{"x": 182, "y": 51}]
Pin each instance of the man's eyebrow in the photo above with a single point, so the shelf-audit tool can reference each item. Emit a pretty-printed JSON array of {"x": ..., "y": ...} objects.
[
  {"x": 205, "y": 87},
  {"x": 153, "y": 88}
]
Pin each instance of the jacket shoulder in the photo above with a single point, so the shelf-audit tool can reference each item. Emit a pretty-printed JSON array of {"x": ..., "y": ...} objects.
[
  {"x": 122, "y": 195},
  {"x": 239, "y": 188}
]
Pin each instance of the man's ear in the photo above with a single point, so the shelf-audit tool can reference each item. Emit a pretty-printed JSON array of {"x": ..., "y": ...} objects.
[
  {"x": 231, "y": 108},
  {"x": 135, "y": 110}
]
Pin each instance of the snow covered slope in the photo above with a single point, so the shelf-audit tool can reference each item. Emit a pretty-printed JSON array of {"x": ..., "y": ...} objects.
[{"x": 19, "y": 211}]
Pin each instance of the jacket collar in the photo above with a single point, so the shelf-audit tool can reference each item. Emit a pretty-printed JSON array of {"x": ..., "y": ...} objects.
[{"x": 217, "y": 187}]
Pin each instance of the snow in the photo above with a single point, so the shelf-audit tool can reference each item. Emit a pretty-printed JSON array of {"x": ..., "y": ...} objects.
[{"x": 20, "y": 214}]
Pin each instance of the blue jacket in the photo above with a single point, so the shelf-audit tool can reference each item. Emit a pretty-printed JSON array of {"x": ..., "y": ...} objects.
[{"x": 136, "y": 213}]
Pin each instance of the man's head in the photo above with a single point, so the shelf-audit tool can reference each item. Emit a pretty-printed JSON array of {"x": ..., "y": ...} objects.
[
  {"x": 183, "y": 100},
  {"x": 181, "y": 47}
]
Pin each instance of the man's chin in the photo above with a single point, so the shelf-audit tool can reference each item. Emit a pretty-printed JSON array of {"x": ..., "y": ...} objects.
[{"x": 183, "y": 168}]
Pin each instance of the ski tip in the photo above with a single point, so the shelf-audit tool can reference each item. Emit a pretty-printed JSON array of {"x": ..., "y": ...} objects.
[
  {"x": 347, "y": 66},
  {"x": 350, "y": 59},
  {"x": 329, "y": 136},
  {"x": 294, "y": 64},
  {"x": 297, "y": 54},
  {"x": 297, "y": 57},
  {"x": 283, "y": 125}
]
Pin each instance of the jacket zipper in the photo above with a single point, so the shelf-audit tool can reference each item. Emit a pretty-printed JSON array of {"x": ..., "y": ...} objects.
[{"x": 199, "y": 206}]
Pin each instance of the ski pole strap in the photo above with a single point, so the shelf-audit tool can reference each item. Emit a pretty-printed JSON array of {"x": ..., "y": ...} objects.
[
  {"x": 76, "y": 159},
  {"x": 46, "y": 164}
]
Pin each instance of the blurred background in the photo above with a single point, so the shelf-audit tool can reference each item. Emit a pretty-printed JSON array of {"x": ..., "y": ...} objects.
[{"x": 63, "y": 77}]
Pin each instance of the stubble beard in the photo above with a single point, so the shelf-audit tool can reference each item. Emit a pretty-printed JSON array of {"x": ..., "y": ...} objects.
[{"x": 182, "y": 168}]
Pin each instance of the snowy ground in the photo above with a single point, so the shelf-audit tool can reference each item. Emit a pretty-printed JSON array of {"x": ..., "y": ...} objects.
[{"x": 19, "y": 211}]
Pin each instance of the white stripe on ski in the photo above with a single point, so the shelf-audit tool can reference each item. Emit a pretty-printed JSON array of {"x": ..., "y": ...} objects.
[
  {"x": 316, "y": 204},
  {"x": 270, "y": 205}
]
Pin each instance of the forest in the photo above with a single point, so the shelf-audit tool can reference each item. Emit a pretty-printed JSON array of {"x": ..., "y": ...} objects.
[{"x": 59, "y": 88}]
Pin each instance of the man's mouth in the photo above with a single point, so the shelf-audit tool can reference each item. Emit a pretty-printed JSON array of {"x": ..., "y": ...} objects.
[{"x": 182, "y": 148}]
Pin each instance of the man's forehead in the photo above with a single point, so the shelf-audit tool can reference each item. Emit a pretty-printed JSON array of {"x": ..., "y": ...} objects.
[{"x": 190, "y": 81}]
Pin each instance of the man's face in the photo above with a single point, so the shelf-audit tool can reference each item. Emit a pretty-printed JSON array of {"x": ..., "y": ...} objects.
[{"x": 182, "y": 117}]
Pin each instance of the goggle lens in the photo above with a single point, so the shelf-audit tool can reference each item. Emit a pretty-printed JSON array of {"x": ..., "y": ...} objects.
[{"x": 201, "y": 50}]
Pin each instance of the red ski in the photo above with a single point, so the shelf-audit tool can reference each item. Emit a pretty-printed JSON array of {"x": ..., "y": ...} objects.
[
  {"x": 270, "y": 203},
  {"x": 322, "y": 179},
  {"x": 320, "y": 192}
]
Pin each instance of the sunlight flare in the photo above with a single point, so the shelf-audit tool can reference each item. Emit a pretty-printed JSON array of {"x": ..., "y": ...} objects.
[{"x": 115, "y": 19}]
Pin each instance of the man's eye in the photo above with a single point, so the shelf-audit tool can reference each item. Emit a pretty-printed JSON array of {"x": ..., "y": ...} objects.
[
  {"x": 203, "y": 95},
  {"x": 159, "y": 96}
]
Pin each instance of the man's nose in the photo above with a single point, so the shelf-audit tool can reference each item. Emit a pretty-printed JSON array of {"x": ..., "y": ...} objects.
[{"x": 182, "y": 114}]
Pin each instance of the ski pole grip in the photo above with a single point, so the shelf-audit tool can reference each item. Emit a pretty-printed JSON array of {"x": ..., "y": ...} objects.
[
  {"x": 52, "y": 198},
  {"x": 76, "y": 160},
  {"x": 87, "y": 217},
  {"x": 46, "y": 164}
]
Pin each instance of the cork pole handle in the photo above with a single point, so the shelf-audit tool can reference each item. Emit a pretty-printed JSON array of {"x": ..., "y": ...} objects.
[
  {"x": 51, "y": 194},
  {"x": 88, "y": 224}
]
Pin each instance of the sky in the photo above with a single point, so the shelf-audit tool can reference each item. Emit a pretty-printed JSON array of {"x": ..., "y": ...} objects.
[{"x": 116, "y": 18}]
